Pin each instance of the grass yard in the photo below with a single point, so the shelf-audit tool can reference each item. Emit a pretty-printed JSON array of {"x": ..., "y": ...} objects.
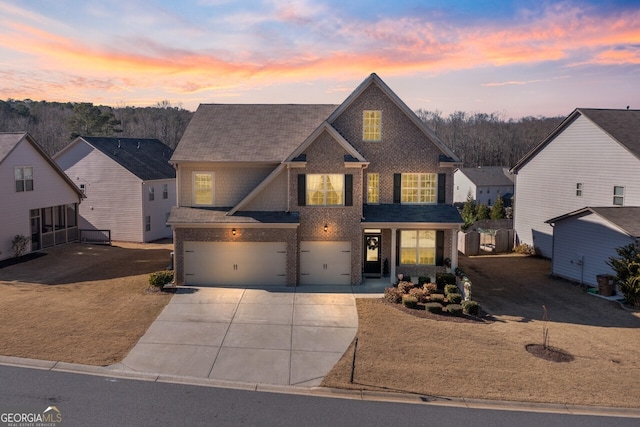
[
  {"x": 487, "y": 360},
  {"x": 80, "y": 303}
]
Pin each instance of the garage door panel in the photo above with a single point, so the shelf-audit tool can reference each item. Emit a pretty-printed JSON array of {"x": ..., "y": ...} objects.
[
  {"x": 325, "y": 263},
  {"x": 235, "y": 263}
]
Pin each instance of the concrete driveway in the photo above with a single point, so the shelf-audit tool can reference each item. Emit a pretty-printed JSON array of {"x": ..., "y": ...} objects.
[{"x": 281, "y": 336}]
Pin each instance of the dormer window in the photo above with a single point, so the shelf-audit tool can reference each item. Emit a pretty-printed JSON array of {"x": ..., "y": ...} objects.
[{"x": 372, "y": 125}]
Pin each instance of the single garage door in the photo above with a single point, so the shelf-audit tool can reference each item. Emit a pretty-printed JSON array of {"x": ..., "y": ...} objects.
[
  {"x": 325, "y": 263},
  {"x": 235, "y": 263}
]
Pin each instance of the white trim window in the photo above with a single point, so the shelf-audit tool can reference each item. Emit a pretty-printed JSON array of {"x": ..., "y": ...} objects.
[
  {"x": 372, "y": 125},
  {"x": 419, "y": 188},
  {"x": 373, "y": 188},
  {"x": 147, "y": 223},
  {"x": 325, "y": 190},
  {"x": 152, "y": 193},
  {"x": 24, "y": 178},
  {"x": 203, "y": 188},
  {"x": 618, "y": 195},
  {"x": 578, "y": 189},
  {"x": 418, "y": 247},
  {"x": 165, "y": 191}
]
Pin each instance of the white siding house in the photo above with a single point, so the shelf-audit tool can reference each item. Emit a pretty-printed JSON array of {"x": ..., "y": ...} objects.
[
  {"x": 484, "y": 183},
  {"x": 591, "y": 159},
  {"x": 38, "y": 200},
  {"x": 584, "y": 240},
  {"x": 128, "y": 183}
]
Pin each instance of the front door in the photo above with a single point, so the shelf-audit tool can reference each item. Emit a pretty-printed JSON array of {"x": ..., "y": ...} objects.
[{"x": 372, "y": 262}]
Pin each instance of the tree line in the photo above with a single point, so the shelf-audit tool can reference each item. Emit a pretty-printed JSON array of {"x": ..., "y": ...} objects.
[{"x": 479, "y": 139}]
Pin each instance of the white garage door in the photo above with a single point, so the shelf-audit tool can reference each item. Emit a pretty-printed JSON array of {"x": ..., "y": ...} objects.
[
  {"x": 235, "y": 263},
  {"x": 325, "y": 263}
]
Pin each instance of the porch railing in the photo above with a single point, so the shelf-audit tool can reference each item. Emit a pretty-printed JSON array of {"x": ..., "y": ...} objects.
[{"x": 97, "y": 237}]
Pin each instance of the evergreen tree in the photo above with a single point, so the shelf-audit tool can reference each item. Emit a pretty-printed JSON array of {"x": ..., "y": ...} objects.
[
  {"x": 89, "y": 120},
  {"x": 483, "y": 212},
  {"x": 497, "y": 210},
  {"x": 469, "y": 211}
]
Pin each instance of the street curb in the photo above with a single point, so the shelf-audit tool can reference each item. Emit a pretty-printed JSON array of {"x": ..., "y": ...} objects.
[{"x": 120, "y": 371}]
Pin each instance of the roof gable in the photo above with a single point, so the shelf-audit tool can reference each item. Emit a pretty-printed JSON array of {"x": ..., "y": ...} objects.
[
  {"x": 491, "y": 175},
  {"x": 623, "y": 126},
  {"x": 623, "y": 217},
  {"x": 248, "y": 132},
  {"x": 146, "y": 158},
  {"x": 373, "y": 79},
  {"x": 9, "y": 141}
]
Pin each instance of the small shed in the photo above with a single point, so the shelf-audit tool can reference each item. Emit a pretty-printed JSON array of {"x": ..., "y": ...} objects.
[{"x": 584, "y": 240}]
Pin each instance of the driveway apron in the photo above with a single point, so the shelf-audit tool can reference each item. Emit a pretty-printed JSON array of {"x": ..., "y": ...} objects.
[{"x": 275, "y": 335}]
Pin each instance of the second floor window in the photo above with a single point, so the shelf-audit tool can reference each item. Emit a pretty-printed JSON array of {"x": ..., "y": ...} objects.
[
  {"x": 203, "y": 188},
  {"x": 24, "y": 178},
  {"x": 165, "y": 191},
  {"x": 579, "y": 189},
  {"x": 372, "y": 125},
  {"x": 325, "y": 190},
  {"x": 618, "y": 195},
  {"x": 152, "y": 193},
  {"x": 419, "y": 188},
  {"x": 373, "y": 188}
]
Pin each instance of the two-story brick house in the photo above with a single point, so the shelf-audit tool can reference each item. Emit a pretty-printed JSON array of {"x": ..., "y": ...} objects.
[{"x": 312, "y": 194}]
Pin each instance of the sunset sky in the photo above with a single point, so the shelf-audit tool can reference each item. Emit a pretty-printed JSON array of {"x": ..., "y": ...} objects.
[{"x": 518, "y": 58}]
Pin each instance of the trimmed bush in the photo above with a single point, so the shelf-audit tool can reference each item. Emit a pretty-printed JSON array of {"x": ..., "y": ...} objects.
[
  {"x": 454, "y": 298},
  {"x": 439, "y": 298},
  {"x": 430, "y": 288},
  {"x": 419, "y": 294},
  {"x": 160, "y": 278},
  {"x": 409, "y": 301},
  {"x": 393, "y": 295},
  {"x": 405, "y": 286},
  {"x": 433, "y": 307},
  {"x": 443, "y": 279},
  {"x": 455, "y": 309},
  {"x": 450, "y": 289},
  {"x": 471, "y": 308},
  {"x": 423, "y": 279}
]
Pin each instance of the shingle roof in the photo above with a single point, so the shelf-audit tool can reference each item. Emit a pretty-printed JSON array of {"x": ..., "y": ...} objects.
[
  {"x": 8, "y": 141},
  {"x": 442, "y": 214},
  {"x": 248, "y": 132},
  {"x": 489, "y": 175},
  {"x": 626, "y": 218},
  {"x": 146, "y": 158},
  {"x": 181, "y": 215}
]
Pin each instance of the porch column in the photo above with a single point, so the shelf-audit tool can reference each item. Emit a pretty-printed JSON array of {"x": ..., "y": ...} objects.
[
  {"x": 392, "y": 261},
  {"x": 454, "y": 249}
]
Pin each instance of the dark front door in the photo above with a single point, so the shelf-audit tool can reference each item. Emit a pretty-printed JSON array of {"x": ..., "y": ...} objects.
[{"x": 372, "y": 262}]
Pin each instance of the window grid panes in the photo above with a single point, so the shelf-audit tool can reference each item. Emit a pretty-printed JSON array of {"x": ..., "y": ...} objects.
[
  {"x": 325, "y": 190},
  {"x": 419, "y": 188},
  {"x": 418, "y": 247},
  {"x": 372, "y": 125},
  {"x": 579, "y": 189},
  {"x": 373, "y": 188},
  {"x": 24, "y": 178},
  {"x": 147, "y": 223},
  {"x": 203, "y": 188},
  {"x": 152, "y": 193},
  {"x": 165, "y": 191},
  {"x": 618, "y": 196}
]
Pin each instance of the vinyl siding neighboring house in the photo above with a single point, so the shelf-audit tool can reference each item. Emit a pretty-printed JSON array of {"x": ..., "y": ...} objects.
[
  {"x": 484, "y": 183},
  {"x": 312, "y": 194},
  {"x": 45, "y": 208},
  {"x": 119, "y": 177},
  {"x": 578, "y": 165}
]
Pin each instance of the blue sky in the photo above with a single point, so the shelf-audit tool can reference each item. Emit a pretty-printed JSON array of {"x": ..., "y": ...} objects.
[{"x": 518, "y": 58}]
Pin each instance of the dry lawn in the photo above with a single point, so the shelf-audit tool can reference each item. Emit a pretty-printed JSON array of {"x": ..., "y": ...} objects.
[
  {"x": 487, "y": 360},
  {"x": 80, "y": 303}
]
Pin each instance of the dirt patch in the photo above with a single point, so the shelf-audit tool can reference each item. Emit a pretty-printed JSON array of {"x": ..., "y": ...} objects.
[
  {"x": 549, "y": 353},
  {"x": 488, "y": 360},
  {"x": 80, "y": 303}
]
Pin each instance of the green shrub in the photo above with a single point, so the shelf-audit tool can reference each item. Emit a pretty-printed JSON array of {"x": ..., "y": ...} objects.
[
  {"x": 627, "y": 268},
  {"x": 450, "y": 289},
  {"x": 409, "y": 301},
  {"x": 419, "y": 294},
  {"x": 19, "y": 245},
  {"x": 454, "y": 298},
  {"x": 160, "y": 278},
  {"x": 433, "y": 307},
  {"x": 423, "y": 279},
  {"x": 429, "y": 288},
  {"x": 443, "y": 279},
  {"x": 454, "y": 309},
  {"x": 393, "y": 295},
  {"x": 405, "y": 286},
  {"x": 471, "y": 308},
  {"x": 439, "y": 298}
]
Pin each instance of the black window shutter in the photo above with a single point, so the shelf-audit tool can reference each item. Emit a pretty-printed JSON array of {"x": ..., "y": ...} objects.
[
  {"x": 397, "y": 247},
  {"x": 302, "y": 189},
  {"x": 440, "y": 247},
  {"x": 397, "y": 187},
  {"x": 348, "y": 190},
  {"x": 442, "y": 187}
]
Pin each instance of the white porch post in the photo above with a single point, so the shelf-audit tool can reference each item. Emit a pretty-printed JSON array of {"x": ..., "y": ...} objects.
[
  {"x": 454, "y": 249},
  {"x": 392, "y": 262}
]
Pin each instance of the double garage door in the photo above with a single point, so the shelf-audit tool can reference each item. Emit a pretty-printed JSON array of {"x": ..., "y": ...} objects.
[
  {"x": 235, "y": 263},
  {"x": 265, "y": 263}
]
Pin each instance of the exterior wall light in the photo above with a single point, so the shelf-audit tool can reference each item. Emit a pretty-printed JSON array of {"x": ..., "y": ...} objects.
[
  {"x": 326, "y": 227},
  {"x": 233, "y": 231}
]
